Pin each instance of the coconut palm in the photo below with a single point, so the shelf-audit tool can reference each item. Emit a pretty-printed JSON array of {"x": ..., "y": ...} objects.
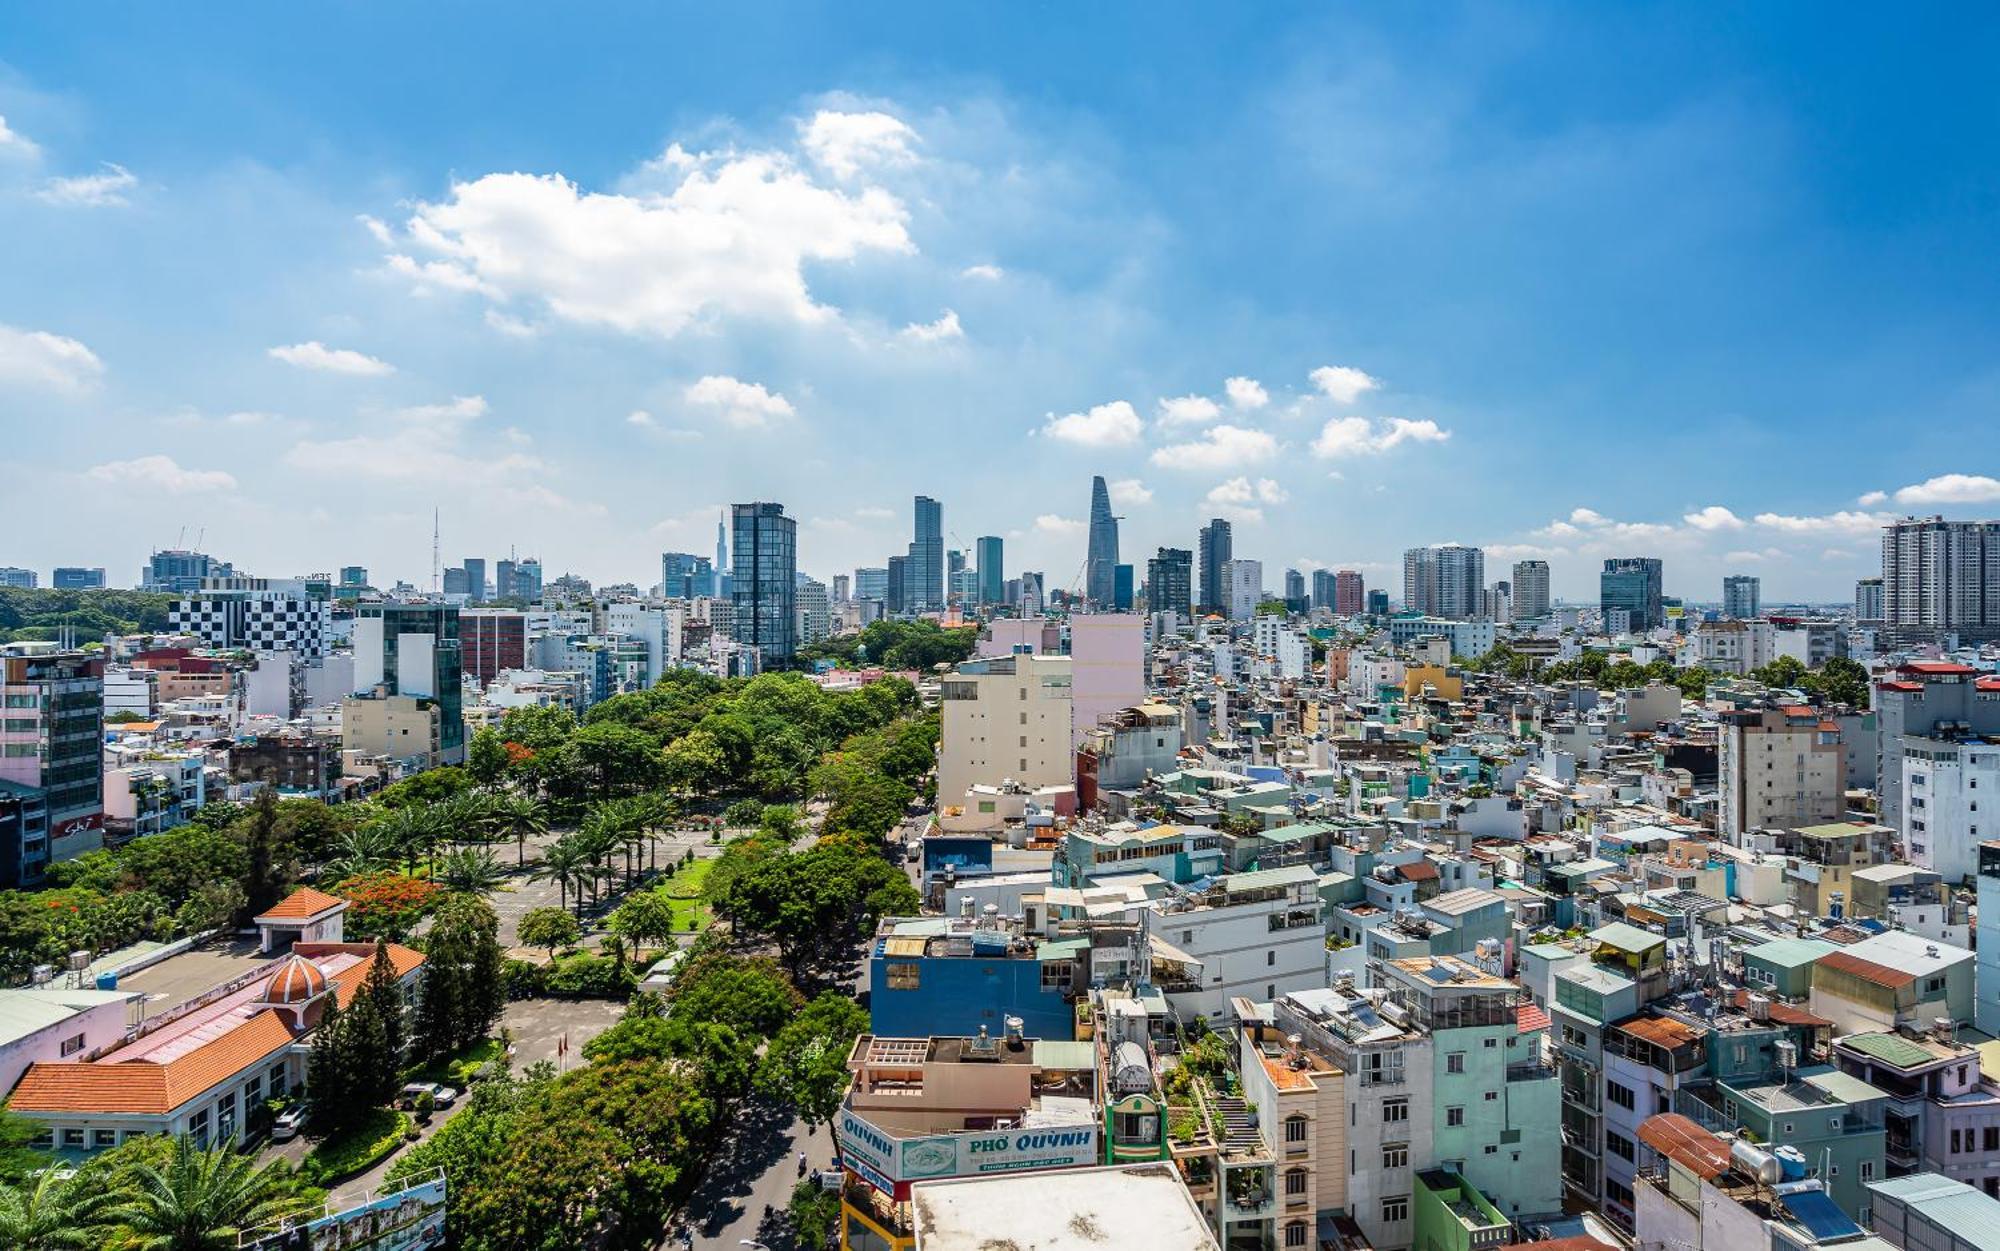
[
  {"x": 522, "y": 816},
  {"x": 363, "y": 850},
  {"x": 51, "y": 1213},
  {"x": 415, "y": 830},
  {"x": 199, "y": 1200},
  {"x": 469, "y": 871},
  {"x": 564, "y": 863},
  {"x": 470, "y": 817}
]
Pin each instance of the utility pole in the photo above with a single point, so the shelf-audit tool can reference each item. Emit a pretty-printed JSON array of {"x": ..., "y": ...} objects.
[{"x": 437, "y": 583}]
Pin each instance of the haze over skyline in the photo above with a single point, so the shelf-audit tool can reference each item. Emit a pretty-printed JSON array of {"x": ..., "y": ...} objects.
[{"x": 1614, "y": 283}]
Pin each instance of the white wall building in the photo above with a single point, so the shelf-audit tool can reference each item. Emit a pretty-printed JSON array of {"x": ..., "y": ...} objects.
[
  {"x": 1006, "y": 718},
  {"x": 1243, "y": 587},
  {"x": 1944, "y": 782}
]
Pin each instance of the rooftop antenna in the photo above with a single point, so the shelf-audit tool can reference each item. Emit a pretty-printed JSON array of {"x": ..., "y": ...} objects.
[{"x": 437, "y": 586}]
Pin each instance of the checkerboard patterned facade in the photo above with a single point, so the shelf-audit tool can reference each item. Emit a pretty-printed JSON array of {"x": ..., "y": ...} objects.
[{"x": 257, "y": 622}]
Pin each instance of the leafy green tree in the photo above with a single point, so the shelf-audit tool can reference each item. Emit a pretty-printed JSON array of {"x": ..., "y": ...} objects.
[
  {"x": 750, "y": 995},
  {"x": 199, "y": 1200},
  {"x": 815, "y": 1213},
  {"x": 696, "y": 764},
  {"x": 1842, "y": 681},
  {"x": 538, "y": 728},
  {"x": 264, "y": 879},
  {"x": 463, "y": 990},
  {"x": 1785, "y": 672},
  {"x": 486, "y": 757},
  {"x": 645, "y": 917},
  {"x": 619, "y": 759},
  {"x": 550, "y": 928},
  {"x": 469, "y": 871},
  {"x": 211, "y": 907},
  {"x": 53, "y": 1212},
  {"x": 18, "y": 1156},
  {"x": 806, "y": 1063}
]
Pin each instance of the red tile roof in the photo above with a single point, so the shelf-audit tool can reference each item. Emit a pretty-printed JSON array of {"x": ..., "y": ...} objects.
[
  {"x": 1530, "y": 1018},
  {"x": 1939, "y": 668},
  {"x": 1418, "y": 871},
  {"x": 300, "y": 904},
  {"x": 1867, "y": 970}
]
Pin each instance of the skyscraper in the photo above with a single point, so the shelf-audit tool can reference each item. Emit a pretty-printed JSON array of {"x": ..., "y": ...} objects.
[
  {"x": 1868, "y": 606},
  {"x": 896, "y": 587},
  {"x": 684, "y": 575},
  {"x": 721, "y": 568},
  {"x": 1295, "y": 590},
  {"x": 1348, "y": 593},
  {"x": 1101, "y": 559},
  {"x": 988, "y": 551},
  {"x": 764, "y": 581},
  {"x": 1941, "y": 577},
  {"x": 528, "y": 579},
  {"x": 1121, "y": 588},
  {"x": 50, "y": 758},
  {"x": 1531, "y": 590},
  {"x": 1740, "y": 596},
  {"x": 1447, "y": 581},
  {"x": 475, "y": 578},
  {"x": 1214, "y": 550},
  {"x": 872, "y": 582},
  {"x": 923, "y": 578},
  {"x": 1323, "y": 589},
  {"x": 1243, "y": 588},
  {"x": 1170, "y": 582},
  {"x": 1633, "y": 584},
  {"x": 415, "y": 650}
]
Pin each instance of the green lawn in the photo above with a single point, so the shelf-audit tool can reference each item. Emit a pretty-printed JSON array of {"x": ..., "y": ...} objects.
[
  {"x": 456, "y": 1071},
  {"x": 355, "y": 1150},
  {"x": 683, "y": 892}
]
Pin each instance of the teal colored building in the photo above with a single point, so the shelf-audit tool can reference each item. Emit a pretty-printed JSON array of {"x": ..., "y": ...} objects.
[{"x": 1834, "y": 1120}]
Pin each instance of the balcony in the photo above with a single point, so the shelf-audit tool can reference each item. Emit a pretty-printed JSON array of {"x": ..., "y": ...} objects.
[{"x": 1532, "y": 1071}]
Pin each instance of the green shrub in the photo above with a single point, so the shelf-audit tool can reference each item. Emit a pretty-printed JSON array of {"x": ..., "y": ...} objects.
[
  {"x": 371, "y": 1140},
  {"x": 524, "y": 979},
  {"x": 591, "y": 977}
]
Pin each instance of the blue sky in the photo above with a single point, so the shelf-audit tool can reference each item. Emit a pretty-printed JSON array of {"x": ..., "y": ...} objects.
[{"x": 1716, "y": 284}]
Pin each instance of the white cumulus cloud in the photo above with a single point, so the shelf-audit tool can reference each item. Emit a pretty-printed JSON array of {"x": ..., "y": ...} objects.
[
  {"x": 1714, "y": 517},
  {"x": 1126, "y": 492},
  {"x": 14, "y": 143},
  {"x": 989, "y": 273},
  {"x": 51, "y": 362},
  {"x": 1247, "y": 394},
  {"x": 1343, "y": 384},
  {"x": 1358, "y": 436},
  {"x": 159, "y": 473},
  {"x": 1219, "y": 447},
  {"x": 1873, "y": 499},
  {"x": 316, "y": 355},
  {"x": 104, "y": 189},
  {"x": 1844, "y": 522},
  {"x": 843, "y": 143},
  {"x": 1106, "y": 425},
  {"x": 1188, "y": 410},
  {"x": 945, "y": 327},
  {"x": 745, "y": 405},
  {"x": 1050, "y": 523},
  {"x": 1951, "y": 488},
  {"x": 730, "y": 235},
  {"x": 1240, "y": 499}
]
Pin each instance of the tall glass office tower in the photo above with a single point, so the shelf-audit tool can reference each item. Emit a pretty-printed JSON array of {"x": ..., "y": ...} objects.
[
  {"x": 764, "y": 581},
  {"x": 1101, "y": 561},
  {"x": 923, "y": 589}
]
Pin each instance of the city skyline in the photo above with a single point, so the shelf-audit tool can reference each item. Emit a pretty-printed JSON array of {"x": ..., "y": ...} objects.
[{"x": 388, "y": 318}]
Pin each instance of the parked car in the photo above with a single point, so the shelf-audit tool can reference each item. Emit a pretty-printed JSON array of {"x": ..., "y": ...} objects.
[
  {"x": 441, "y": 1096},
  {"x": 287, "y": 1124}
]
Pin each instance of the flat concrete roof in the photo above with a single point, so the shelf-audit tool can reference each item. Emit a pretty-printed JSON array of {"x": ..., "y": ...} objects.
[{"x": 1089, "y": 1209}]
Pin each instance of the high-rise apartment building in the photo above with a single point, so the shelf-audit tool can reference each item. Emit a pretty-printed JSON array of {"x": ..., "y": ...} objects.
[
  {"x": 896, "y": 587},
  {"x": 14, "y": 577},
  {"x": 815, "y": 612},
  {"x": 1006, "y": 718},
  {"x": 413, "y": 651},
  {"x": 1378, "y": 603},
  {"x": 1741, "y": 593},
  {"x": 455, "y": 583},
  {"x": 1349, "y": 594},
  {"x": 1868, "y": 601},
  {"x": 1242, "y": 588},
  {"x": 1777, "y": 769},
  {"x": 518, "y": 579},
  {"x": 988, "y": 554},
  {"x": 1101, "y": 558},
  {"x": 475, "y": 578},
  {"x": 923, "y": 578},
  {"x": 51, "y": 763},
  {"x": 1446, "y": 581},
  {"x": 841, "y": 585},
  {"x": 72, "y": 578},
  {"x": 1632, "y": 584},
  {"x": 1169, "y": 582},
  {"x": 492, "y": 639},
  {"x": 1531, "y": 590},
  {"x": 1295, "y": 590},
  {"x": 1941, "y": 577},
  {"x": 765, "y": 581},
  {"x": 1214, "y": 550}
]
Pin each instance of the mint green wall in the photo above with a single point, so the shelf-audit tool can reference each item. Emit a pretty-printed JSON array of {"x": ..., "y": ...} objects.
[{"x": 1523, "y": 1174}]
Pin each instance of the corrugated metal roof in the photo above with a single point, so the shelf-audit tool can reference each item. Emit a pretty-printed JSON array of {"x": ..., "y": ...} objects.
[
  {"x": 1627, "y": 937},
  {"x": 1889, "y": 1048}
]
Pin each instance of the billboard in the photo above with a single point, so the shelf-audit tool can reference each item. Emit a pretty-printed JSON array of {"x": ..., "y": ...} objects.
[
  {"x": 410, "y": 1219},
  {"x": 878, "y": 1156}
]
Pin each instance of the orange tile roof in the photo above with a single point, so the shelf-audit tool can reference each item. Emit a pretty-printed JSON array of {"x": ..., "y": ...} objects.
[
  {"x": 300, "y": 904},
  {"x": 1661, "y": 1030},
  {"x": 144, "y": 1087},
  {"x": 347, "y": 982},
  {"x": 1418, "y": 871},
  {"x": 1686, "y": 1143},
  {"x": 1866, "y": 970},
  {"x": 1530, "y": 1018}
]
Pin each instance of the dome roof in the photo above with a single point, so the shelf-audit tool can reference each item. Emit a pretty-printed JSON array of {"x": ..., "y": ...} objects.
[{"x": 296, "y": 981}]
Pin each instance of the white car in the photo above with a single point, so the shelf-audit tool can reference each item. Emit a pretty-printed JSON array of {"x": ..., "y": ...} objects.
[
  {"x": 441, "y": 1096},
  {"x": 286, "y": 1127}
]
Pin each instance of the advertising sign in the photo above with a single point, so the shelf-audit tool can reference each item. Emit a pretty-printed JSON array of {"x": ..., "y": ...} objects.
[
  {"x": 410, "y": 1219},
  {"x": 884, "y": 1160}
]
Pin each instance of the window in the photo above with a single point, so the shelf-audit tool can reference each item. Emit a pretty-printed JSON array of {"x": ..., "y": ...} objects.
[
  {"x": 1397, "y": 1156},
  {"x": 1491, "y": 1043},
  {"x": 1868, "y": 1170},
  {"x": 1933, "y": 985},
  {"x": 1270, "y": 958},
  {"x": 277, "y": 1081},
  {"x": 103, "y": 1138},
  {"x": 1295, "y": 1234},
  {"x": 1993, "y": 1137},
  {"x": 73, "y": 1138},
  {"x": 1395, "y": 1110},
  {"x": 1454, "y": 1116},
  {"x": 905, "y": 975},
  {"x": 1295, "y": 1128},
  {"x": 1492, "y": 1096},
  {"x": 1619, "y": 1145},
  {"x": 1396, "y": 1210},
  {"x": 70, "y": 1046},
  {"x": 1454, "y": 1062},
  {"x": 1492, "y": 1150},
  {"x": 1295, "y": 1182},
  {"x": 1620, "y": 1095}
]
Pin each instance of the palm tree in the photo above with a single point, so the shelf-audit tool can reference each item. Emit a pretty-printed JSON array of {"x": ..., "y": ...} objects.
[
  {"x": 413, "y": 830},
  {"x": 468, "y": 818},
  {"x": 51, "y": 1213},
  {"x": 199, "y": 1200},
  {"x": 362, "y": 850},
  {"x": 522, "y": 816},
  {"x": 563, "y": 863},
  {"x": 469, "y": 871}
]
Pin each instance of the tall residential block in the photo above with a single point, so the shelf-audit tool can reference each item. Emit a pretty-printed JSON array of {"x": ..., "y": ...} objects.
[
  {"x": 1349, "y": 593},
  {"x": 764, "y": 580},
  {"x": 1214, "y": 550},
  {"x": 1170, "y": 582},
  {"x": 1741, "y": 596},
  {"x": 1242, "y": 588},
  {"x": 1779, "y": 768},
  {"x": 1446, "y": 581},
  {"x": 51, "y": 766},
  {"x": 1531, "y": 590},
  {"x": 1941, "y": 577},
  {"x": 1868, "y": 601},
  {"x": 1007, "y": 718}
]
